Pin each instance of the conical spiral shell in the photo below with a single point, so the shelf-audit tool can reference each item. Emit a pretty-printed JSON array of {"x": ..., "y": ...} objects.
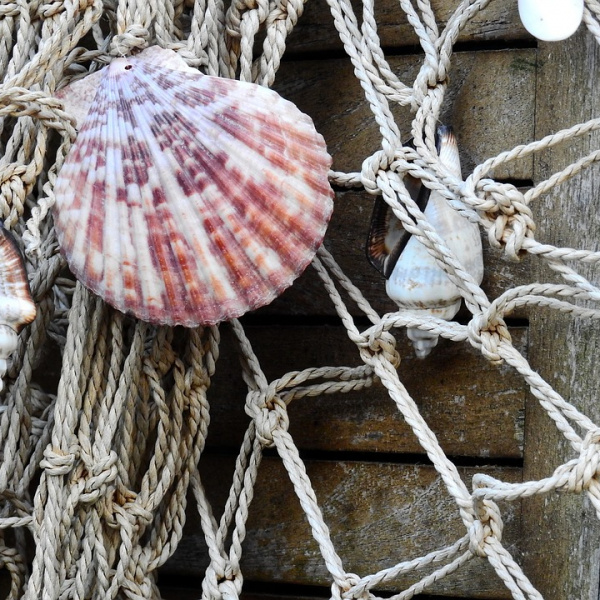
[
  {"x": 188, "y": 199},
  {"x": 415, "y": 280}
]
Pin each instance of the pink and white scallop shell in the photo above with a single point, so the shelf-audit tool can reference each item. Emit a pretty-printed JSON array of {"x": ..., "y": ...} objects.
[{"x": 188, "y": 199}]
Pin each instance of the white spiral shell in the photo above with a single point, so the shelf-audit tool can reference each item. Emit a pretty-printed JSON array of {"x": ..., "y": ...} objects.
[{"x": 414, "y": 279}]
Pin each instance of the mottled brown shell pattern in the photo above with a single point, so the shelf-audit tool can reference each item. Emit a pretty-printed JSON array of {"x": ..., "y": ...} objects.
[
  {"x": 16, "y": 305},
  {"x": 188, "y": 199}
]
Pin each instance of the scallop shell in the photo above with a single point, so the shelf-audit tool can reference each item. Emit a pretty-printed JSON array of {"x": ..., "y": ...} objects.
[
  {"x": 551, "y": 20},
  {"x": 414, "y": 279},
  {"x": 16, "y": 306},
  {"x": 188, "y": 199}
]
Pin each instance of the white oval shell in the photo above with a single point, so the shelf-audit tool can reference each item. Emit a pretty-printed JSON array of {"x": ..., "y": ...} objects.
[
  {"x": 188, "y": 199},
  {"x": 551, "y": 20},
  {"x": 417, "y": 282}
]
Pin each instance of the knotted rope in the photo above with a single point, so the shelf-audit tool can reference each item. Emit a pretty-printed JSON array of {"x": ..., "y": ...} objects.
[{"x": 98, "y": 474}]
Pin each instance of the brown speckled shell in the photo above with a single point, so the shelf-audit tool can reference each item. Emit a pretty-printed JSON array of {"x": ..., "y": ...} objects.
[{"x": 16, "y": 306}]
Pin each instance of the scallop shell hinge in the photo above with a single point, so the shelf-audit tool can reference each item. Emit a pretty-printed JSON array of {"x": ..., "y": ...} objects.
[
  {"x": 188, "y": 199},
  {"x": 414, "y": 279}
]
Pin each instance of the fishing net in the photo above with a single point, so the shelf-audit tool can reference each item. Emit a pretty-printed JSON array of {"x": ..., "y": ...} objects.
[{"x": 95, "y": 478}]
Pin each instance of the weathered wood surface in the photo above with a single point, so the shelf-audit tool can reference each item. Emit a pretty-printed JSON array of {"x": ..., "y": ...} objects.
[
  {"x": 174, "y": 592},
  {"x": 489, "y": 101},
  {"x": 315, "y": 31},
  {"x": 561, "y": 534},
  {"x": 378, "y": 513},
  {"x": 346, "y": 238},
  {"x": 474, "y": 408}
]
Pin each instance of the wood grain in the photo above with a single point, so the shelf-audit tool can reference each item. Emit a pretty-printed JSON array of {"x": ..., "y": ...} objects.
[
  {"x": 489, "y": 101},
  {"x": 380, "y": 511},
  {"x": 315, "y": 31},
  {"x": 378, "y": 514},
  {"x": 474, "y": 408},
  {"x": 173, "y": 592},
  {"x": 169, "y": 592},
  {"x": 561, "y": 534}
]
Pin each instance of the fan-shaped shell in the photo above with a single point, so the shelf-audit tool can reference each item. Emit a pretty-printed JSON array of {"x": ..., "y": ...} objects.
[
  {"x": 188, "y": 199},
  {"x": 415, "y": 281},
  {"x": 551, "y": 20}
]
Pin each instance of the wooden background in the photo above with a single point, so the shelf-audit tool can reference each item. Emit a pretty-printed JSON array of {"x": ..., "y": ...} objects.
[{"x": 379, "y": 494}]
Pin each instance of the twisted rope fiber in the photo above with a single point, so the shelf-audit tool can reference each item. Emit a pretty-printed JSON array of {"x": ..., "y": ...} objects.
[{"x": 112, "y": 456}]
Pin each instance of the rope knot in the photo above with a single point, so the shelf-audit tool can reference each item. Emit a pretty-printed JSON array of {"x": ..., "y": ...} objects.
[
  {"x": 56, "y": 462},
  {"x": 51, "y": 8},
  {"x": 124, "y": 510},
  {"x": 383, "y": 343},
  {"x": 230, "y": 588},
  {"x": 269, "y": 412},
  {"x": 346, "y": 589},
  {"x": 371, "y": 166},
  {"x": 510, "y": 218},
  {"x": 487, "y": 527},
  {"x": 13, "y": 174},
  {"x": 134, "y": 37},
  {"x": 486, "y": 334},
  {"x": 100, "y": 475},
  {"x": 587, "y": 468},
  {"x": 377, "y": 342}
]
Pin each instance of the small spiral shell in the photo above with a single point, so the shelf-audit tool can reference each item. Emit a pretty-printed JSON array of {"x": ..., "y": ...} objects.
[{"x": 415, "y": 281}]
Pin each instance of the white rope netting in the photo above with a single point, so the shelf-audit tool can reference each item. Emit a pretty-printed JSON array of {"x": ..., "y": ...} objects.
[{"x": 98, "y": 474}]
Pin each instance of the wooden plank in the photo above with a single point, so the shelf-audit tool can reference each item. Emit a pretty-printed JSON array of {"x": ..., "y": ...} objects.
[
  {"x": 346, "y": 238},
  {"x": 315, "y": 31},
  {"x": 194, "y": 592},
  {"x": 489, "y": 102},
  {"x": 561, "y": 534},
  {"x": 486, "y": 122},
  {"x": 378, "y": 514},
  {"x": 458, "y": 392}
]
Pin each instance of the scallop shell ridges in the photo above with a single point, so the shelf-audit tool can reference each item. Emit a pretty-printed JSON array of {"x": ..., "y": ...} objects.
[{"x": 189, "y": 199}]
